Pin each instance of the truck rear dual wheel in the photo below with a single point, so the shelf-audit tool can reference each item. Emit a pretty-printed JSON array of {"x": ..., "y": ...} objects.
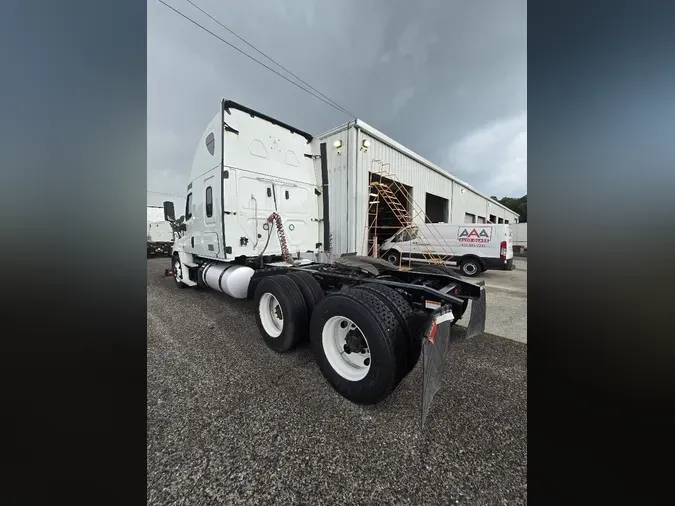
[
  {"x": 406, "y": 320},
  {"x": 310, "y": 288},
  {"x": 359, "y": 345},
  {"x": 281, "y": 315}
]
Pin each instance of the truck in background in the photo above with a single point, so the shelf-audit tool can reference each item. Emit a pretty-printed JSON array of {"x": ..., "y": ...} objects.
[
  {"x": 159, "y": 232},
  {"x": 519, "y": 231}
]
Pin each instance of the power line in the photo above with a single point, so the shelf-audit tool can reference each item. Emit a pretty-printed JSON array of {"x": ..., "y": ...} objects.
[
  {"x": 252, "y": 58},
  {"x": 269, "y": 58}
]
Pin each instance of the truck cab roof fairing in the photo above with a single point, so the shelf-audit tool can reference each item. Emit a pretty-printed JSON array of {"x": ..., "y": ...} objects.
[{"x": 229, "y": 104}]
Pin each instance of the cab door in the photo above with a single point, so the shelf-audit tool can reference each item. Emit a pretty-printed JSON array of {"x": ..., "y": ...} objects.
[{"x": 210, "y": 240}]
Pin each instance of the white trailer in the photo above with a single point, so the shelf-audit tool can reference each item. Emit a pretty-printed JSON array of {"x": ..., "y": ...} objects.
[
  {"x": 519, "y": 237},
  {"x": 159, "y": 232},
  {"x": 155, "y": 213},
  {"x": 253, "y": 229}
]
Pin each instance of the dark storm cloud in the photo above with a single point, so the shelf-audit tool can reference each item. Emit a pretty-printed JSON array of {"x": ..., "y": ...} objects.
[{"x": 447, "y": 79}]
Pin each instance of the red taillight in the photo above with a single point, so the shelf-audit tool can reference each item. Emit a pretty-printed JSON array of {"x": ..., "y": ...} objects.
[
  {"x": 502, "y": 250},
  {"x": 432, "y": 333}
]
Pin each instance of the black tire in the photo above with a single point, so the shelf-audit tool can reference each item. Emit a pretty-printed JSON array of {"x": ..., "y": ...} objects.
[
  {"x": 176, "y": 266},
  {"x": 404, "y": 316},
  {"x": 470, "y": 267},
  {"x": 458, "y": 311},
  {"x": 384, "y": 337},
  {"x": 310, "y": 288},
  {"x": 293, "y": 312},
  {"x": 393, "y": 257}
]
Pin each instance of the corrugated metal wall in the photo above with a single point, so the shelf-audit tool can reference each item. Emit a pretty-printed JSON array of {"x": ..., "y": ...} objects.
[
  {"x": 348, "y": 169},
  {"x": 338, "y": 187},
  {"x": 466, "y": 201},
  {"x": 406, "y": 170}
]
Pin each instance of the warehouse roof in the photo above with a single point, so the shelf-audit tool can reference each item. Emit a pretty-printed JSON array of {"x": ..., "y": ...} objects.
[{"x": 373, "y": 132}]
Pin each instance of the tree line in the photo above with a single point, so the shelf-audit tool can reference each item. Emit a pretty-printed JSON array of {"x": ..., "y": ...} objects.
[{"x": 517, "y": 205}]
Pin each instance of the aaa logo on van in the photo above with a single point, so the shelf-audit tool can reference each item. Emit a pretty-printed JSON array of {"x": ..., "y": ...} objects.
[{"x": 480, "y": 235}]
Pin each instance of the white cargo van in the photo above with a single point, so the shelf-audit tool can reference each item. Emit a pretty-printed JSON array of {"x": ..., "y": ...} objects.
[{"x": 473, "y": 247}]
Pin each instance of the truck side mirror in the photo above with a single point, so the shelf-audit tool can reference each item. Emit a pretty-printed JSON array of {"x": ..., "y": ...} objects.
[{"x": 168, "y": 211}]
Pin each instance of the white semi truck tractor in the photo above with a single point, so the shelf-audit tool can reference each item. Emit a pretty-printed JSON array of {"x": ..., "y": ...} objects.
[{"x": 255, "y": 227}]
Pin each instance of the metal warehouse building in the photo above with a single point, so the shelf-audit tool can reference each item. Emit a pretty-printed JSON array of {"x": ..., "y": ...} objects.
[{"x": 352, "y": 153}]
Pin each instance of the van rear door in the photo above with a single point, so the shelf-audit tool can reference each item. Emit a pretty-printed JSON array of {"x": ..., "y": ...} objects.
[{"x": 509, "y": 242}]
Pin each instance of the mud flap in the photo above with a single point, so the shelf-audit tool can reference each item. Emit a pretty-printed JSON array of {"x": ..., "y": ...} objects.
[
  {"x": 478, "y": 313},
  {"x": 435, "y": 343}
]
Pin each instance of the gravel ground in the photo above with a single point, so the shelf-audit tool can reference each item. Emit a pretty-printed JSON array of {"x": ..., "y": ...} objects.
[{"x": 231, "y": 422}]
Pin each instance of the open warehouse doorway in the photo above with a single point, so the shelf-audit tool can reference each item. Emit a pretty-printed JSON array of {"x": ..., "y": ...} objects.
[
  {"x": 382, "y": 221},
  {"x": 436, "y": 209}
]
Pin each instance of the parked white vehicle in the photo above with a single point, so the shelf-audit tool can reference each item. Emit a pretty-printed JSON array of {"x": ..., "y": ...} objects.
[
  {"x": 252, "y": 229},
  {"x": 475, "y": 248},
  {"x": 159, "y": 233},
  {"x": 160, "y": 237},
  {"x": 519, "y": 236}
]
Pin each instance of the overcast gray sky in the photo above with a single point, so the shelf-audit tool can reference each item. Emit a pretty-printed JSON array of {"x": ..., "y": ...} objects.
[{"x": 445, "y": 78}]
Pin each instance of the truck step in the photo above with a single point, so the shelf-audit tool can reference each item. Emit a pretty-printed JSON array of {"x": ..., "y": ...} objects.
[{"x": 190, "y": 264}]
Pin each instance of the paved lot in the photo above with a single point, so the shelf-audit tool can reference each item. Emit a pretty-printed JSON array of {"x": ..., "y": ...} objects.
[
  {"x": 231, "y": 422},
  {"x": 507, "y": 301}
]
